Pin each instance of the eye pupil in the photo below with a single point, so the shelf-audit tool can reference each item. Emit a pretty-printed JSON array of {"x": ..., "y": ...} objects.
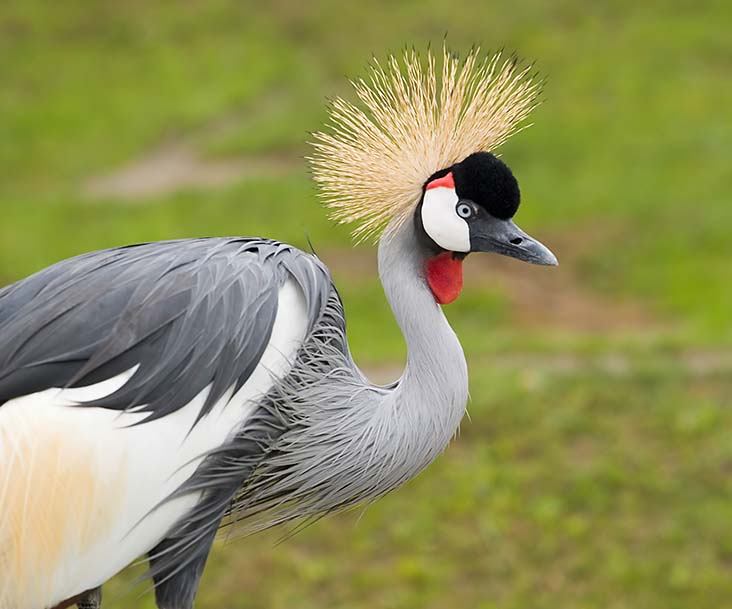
[{"x": 464, "y": 210}]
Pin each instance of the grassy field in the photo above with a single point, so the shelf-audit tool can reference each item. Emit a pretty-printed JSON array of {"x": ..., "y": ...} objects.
[{"x": 595, "y": 468}]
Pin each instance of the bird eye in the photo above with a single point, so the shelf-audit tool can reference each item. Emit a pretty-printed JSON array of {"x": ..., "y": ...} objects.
[{"x": 464, "y": 210}]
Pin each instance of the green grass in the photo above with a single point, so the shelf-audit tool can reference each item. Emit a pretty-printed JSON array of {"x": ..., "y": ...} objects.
[{"x": 594, "y": 471}]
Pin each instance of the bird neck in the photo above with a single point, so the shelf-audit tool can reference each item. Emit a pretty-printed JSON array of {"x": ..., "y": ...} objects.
[
  {"x": 348, "y": 441},
  {"x": 435, "y": 380}
]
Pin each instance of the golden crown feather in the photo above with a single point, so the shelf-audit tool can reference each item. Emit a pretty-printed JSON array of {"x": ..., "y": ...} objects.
[{"x": 372, "y": 164}]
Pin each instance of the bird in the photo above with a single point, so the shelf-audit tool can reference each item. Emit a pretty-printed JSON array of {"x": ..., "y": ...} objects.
[{"x": 152, "y": 394}]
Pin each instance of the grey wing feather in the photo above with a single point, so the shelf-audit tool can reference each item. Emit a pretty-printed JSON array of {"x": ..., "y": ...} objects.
[{"x": 191, "y": 313}]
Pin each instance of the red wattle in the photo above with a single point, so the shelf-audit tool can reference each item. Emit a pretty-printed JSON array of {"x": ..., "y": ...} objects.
[{"x": 444, "y": 275}]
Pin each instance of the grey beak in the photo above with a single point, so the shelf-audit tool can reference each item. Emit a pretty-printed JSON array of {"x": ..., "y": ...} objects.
[{"x": 504, "y": 237}]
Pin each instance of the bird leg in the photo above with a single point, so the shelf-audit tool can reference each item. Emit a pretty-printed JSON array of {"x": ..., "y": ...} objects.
[{"x": 91, "y": 599}]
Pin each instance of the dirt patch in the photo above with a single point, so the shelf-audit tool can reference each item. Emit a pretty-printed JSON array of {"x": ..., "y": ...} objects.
[
  {"x": 558, "y": 296},
  {"x": 383, "y": 373},
  {"x": 175, "y": 167},
  {"x": 695, "y": 363},
  {"x": 554, "y": 297},
  {"x": 176, "y": 164},
  {"x": 539, "y": 296}
]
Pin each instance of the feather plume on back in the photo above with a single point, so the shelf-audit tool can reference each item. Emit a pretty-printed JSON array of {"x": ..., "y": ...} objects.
[{"x": 373, "y": 164}]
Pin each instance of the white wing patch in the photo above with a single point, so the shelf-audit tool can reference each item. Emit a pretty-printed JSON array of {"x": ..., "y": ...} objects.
[
  {"x": 80, "y": 486},
  {"x": 441, "y": 221}
]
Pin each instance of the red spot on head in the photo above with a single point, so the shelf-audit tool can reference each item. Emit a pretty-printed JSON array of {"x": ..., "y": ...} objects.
[
  {"x": 445, "y": 181},
  {"x": 444, "y": 274}
]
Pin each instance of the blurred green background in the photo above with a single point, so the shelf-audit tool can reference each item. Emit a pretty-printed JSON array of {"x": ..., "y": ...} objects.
[{"x": 596, "y": 467}]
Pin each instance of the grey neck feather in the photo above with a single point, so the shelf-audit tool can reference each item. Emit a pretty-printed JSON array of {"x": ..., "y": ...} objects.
[
  {"x": 435, "y": 381},
  {"x": 347, "y": 441}
]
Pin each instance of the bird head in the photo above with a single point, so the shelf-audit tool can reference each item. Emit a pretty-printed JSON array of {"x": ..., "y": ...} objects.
[
  {"x": 469, "y": 208},
  {"x": 421, "y": 147}
]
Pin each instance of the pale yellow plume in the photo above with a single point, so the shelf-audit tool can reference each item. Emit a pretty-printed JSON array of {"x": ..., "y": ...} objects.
[{"x": 372, "y": 164}]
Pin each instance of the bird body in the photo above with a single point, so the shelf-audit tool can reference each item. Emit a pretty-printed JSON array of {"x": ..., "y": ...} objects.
[
  {"x": 150, "y": 393},
  {"x": 70, "y": 455}
]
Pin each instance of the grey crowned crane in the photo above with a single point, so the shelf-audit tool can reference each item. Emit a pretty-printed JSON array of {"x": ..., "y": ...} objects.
[{"x": 151, "y": 393}]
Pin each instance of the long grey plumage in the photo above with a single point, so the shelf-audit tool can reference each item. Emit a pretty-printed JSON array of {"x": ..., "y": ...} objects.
[
  {"x": 175, "y": 308},
  {"x": 325, "y": 438},
  {"x": 190, "y": 314}
]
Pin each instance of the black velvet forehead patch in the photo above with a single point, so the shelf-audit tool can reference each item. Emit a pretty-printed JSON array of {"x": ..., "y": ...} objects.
[{"x": 487, "y": 181}]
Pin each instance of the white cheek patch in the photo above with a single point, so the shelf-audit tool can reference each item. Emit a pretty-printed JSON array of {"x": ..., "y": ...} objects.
[{"x": 441, "y": 222}]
